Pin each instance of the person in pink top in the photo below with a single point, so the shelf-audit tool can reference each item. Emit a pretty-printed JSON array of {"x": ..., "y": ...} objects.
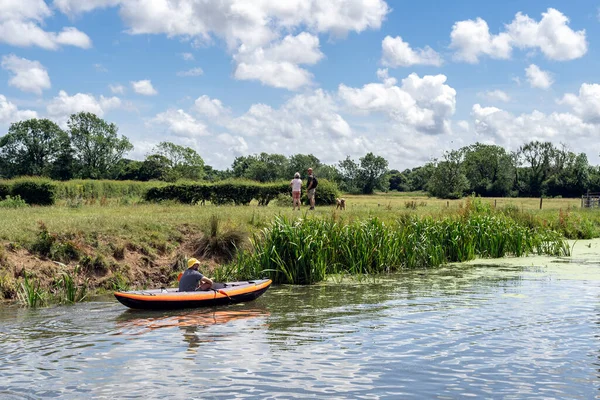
[{"x": 296, "y": 185}]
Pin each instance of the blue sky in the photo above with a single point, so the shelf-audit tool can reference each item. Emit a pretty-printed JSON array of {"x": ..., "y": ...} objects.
[{"x": 405, "y": 80}]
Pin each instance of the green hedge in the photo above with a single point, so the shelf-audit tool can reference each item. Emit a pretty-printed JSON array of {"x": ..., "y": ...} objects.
[
  {"x": 236, "y": 192},
  {"x": 4, "y": 190},
  {"x": 35, "y": 191},
  {"x": 325, "y": 193}
]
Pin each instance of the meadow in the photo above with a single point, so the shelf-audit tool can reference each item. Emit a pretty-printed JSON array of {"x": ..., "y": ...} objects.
[{"x": 117, "y": 240}]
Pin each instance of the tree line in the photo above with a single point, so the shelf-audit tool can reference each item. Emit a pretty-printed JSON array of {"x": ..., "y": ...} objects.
[{"x": 90, "y": 148}]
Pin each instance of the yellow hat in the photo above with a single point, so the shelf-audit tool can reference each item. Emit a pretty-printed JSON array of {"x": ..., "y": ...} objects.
[{"x": 192, "y": 262}]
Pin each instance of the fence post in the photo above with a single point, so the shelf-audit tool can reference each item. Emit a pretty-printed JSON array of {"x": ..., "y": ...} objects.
[
  {"x": 541, "y": 198},
  {"x": 495, "y": 200}
]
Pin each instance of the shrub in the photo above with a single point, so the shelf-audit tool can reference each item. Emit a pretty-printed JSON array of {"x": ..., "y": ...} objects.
[
  {"x": 325, "y": 194},
  {"x": 4, "y": 189},
  {"x": 13, "y": 202},
  {"x": 36, "y": 191}
]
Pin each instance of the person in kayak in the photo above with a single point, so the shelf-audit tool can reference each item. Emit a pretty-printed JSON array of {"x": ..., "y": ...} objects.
[{"x": 192, "y": 279}]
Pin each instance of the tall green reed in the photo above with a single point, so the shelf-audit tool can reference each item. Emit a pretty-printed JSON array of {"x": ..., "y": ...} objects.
[
  {"x": 31, "y": 295},
  {"x": 306, "y": 250}
]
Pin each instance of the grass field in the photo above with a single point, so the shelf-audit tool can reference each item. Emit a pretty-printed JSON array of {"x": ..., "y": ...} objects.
[{"x": 140, "y": 220}]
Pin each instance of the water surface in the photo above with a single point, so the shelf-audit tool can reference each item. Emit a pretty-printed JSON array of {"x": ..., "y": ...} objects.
[{"x": 527, "y": 328}]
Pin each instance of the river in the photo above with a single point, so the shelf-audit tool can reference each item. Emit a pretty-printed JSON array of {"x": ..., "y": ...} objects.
[{"x": 510, "y": 328}]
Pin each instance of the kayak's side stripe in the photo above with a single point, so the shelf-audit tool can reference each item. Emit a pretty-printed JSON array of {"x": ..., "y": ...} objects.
[{"x": 193, "y": 296}]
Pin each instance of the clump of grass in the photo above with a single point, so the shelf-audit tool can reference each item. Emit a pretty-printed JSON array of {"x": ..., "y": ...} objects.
[
  {"x": 220, "y": 245},
  {"x": 31, "y": 294},
  {"x": 13, "y": 202},
  {"x": 69, "y": 291},
  {"x": 410, "y": 204},
  {"x": 95, "y": 265}
]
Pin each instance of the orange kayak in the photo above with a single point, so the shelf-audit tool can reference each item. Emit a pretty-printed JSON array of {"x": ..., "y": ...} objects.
[{"x": 169, "y": 299}]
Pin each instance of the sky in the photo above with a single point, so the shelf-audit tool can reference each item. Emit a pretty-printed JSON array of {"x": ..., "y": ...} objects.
[{"x": 405, "y": 80}]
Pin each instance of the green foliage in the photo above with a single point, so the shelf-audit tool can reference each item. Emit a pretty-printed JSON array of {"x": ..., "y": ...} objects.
[
  {"x": 95, "y": 265},
  {"x": 13, "y": 202},
  {"x": 489, "y": 169},
  {"x": 8, "y": 286},
  {"x": 35, "y": 191},
  {"x": 30, "y": 147},
  {"x": 182, "y": 162},
  {"x": 69, "y": 290},
  {"x": 87, "y": 189},
  {"x": 96, "y": 146},
  {"x": 365, "y": 177},
  {"x": 51, "y": 246},
  {"x": 31, "y": 294},
  {"x": 239, "y": 192},
  {"x": 4, "y": 189},
  {"x": 304, "y": 251},
  {"x": 448, "y": 180},
  {"x": 325, "y": 194}
]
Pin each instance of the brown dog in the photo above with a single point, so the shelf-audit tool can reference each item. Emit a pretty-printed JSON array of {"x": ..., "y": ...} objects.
[{"x": 340, "y": 204}]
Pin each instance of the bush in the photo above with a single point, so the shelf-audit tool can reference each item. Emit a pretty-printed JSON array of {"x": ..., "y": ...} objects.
[
  {"x": 36, "y": 191},
  {"x": 4, "y": 190},
  {"x": 325, "y": 194},
  {"x": 13, "y": 202}
]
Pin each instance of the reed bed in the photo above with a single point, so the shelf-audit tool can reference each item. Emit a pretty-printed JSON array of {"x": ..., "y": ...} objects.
[{"x": 305, "y": 251}]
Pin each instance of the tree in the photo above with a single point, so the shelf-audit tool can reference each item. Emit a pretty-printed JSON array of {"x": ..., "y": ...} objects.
[
  {"x": 263, "y": 167},
  {"x": 364, "y": 177},
  {"x": 372, "y": 173},
  {"x": 31, "y": 147},
  {"x": 537, "y": 156},
  {"x": 301, "y": 163},
  {"x": 448, "y": 180},
  {"x": 97, "y": 148},
  {"x": 349, "y": 173},
  {"x": 185, "y": 162},
  {"x": 489, "y": 169}
]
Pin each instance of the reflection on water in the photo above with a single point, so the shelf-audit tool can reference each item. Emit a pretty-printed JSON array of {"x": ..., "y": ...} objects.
[{"x": 494, "y": 332}]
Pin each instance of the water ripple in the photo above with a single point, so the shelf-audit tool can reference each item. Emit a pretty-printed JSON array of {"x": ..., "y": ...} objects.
[{"x": 471, "y": 332}]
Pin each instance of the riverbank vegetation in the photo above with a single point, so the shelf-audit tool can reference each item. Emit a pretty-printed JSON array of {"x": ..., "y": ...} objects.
[{"x": 105, "y": 246}]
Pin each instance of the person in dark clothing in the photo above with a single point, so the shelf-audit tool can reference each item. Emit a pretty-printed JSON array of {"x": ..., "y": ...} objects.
[
  {"x": 311, "y": 185},
  {"x": 192, "y": 279}
]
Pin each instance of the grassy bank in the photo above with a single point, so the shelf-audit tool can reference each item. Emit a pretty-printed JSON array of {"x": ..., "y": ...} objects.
[{"x": 113, "y": 244}]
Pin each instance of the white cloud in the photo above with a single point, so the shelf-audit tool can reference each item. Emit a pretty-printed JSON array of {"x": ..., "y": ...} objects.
[
  {"x": 398, "y": 53},
  {"x": 144, "y": 87},
  {"x": 551, "y": 35},
  {"x": 496, "y": 95},
  {"x": 100, "y": 68},
  {"x": 237, "y": 145},
  {"x": 9, "y": 112},
  {"x": 187, "y": 56},
  {"x": 538, "y": 78},
  {"x": 208, "y": 107},
  {"x": 586, "y": 104},
  {"x": 252, "y": 30},
  {"x": 20, "y": 22},
  {"x": 191, "y": 72},
  {"x": 383, "y": 75},
  {"x": 425, "y": 104},
  {"x": 512, "y": 131},
  {"x": 74, "y": 7},
  {"x": 179, "y": 123},
  {"x": 62, "y": 106},
  {"x": 313, "y": 114},
  {"x": 471, "y": 39},
  {"x": 277, "y": 64},
  {"x": 28, "y": 76},
  {"x": 117, "y": 89}
]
